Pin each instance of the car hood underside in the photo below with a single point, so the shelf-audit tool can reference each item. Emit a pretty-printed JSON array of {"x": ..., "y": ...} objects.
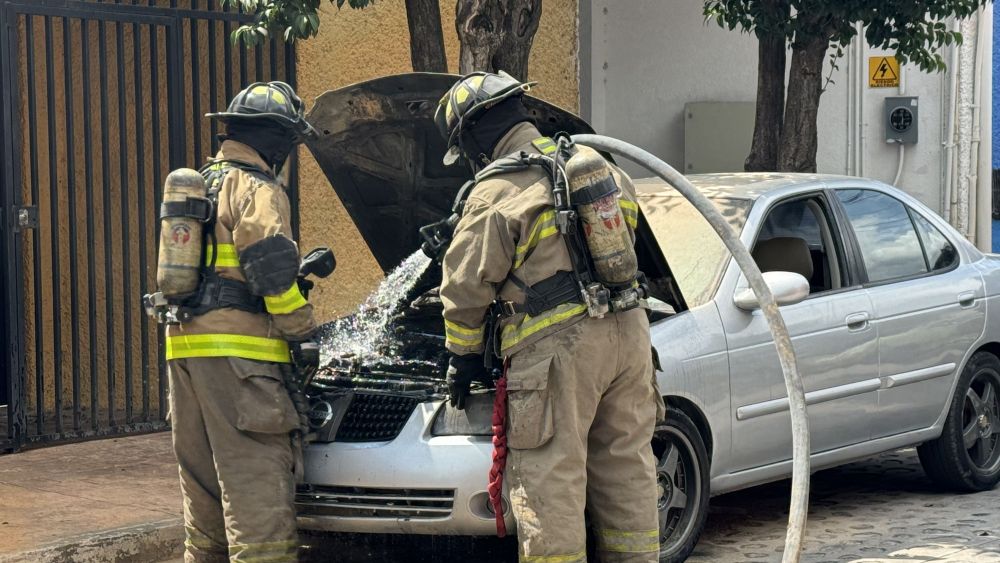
[{"x": 378, "y": 146}]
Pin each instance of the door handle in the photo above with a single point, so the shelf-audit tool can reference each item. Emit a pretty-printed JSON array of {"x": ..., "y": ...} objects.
[
  {"x": 857, "y": 321},
  {"x": 967, "y": 298}
]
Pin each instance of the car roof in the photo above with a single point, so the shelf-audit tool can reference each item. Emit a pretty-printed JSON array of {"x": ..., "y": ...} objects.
[{"x": 744, "y": 185}]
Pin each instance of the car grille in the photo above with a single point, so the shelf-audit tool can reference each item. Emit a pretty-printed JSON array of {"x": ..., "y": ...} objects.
[
  {"x": 363, "y": 502},
  {"x": 375, "y": 418}
]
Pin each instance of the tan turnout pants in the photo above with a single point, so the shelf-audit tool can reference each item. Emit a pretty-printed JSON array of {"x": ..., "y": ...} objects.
[
  {"x": 231, "y": 420},
  {"x": 581, "y": 411}
]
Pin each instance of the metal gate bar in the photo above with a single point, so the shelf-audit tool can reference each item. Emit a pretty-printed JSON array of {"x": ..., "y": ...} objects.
[
  {"x": 89, "y": 189},
  {"x": 71, "y": 360},
  {"x": 71, "y": 189},
  {"x": 35, "y": 233},
  {"x": 54, "y": 218}
]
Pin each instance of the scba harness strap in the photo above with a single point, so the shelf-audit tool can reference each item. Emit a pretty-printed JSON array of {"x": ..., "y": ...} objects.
[{"x": 580, "y": 285}]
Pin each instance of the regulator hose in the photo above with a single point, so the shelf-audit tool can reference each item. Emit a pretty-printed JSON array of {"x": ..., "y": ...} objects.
[{"x": 799, "y": 505}]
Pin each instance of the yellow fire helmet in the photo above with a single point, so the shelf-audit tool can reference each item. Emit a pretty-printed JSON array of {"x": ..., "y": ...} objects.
[{"x": 469, "y": 97}]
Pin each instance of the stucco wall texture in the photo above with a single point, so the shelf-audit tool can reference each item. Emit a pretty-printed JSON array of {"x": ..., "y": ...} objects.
[{"x": 358, "y": 45}]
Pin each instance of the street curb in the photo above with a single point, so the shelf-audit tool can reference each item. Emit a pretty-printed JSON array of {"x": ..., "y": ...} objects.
[{"x": 145, "y": 543}]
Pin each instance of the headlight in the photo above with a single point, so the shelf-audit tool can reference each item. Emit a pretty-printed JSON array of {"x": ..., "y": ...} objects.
[{"x": 475, "y": 420}]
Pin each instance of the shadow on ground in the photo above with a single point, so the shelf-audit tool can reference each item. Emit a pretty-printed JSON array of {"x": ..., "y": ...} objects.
[
  {"x": 880, "y": 509},
  {"x": 350, "y": 548}
]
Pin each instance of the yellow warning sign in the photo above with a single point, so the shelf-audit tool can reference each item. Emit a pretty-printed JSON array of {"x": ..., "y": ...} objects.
[{"x": 883, "y": 72}]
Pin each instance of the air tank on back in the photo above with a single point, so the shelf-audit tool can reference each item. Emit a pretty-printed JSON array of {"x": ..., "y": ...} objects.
[
  {"x": 594, "y": 194},
  {"x": 178, "y": 268}
]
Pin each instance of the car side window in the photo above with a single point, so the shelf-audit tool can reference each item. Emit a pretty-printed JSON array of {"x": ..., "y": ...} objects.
[
  {"x": 796, "y": 237},
  {"x": 889, "y": 244},
  {"x": 939, "y": 251}
]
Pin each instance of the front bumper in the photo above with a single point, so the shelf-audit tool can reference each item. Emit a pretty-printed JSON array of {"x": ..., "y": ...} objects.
[{"x": 413, "y": 484}]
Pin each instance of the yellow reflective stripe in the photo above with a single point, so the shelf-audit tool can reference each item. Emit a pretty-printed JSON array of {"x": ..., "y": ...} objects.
[
  {"x": 285, "y": 303},
  {"x": 198, "y": 540},
  {"x": 461, "y": 329},
  {"x": 513, "y": 334},
  {"x": 630, "y": 210},
  {"x": 222, "y": 345},
  {"x": 227, "y": 256},
  {"x": 270, "y": 552},
  {"x": 567, "y": 558},
  {"x": 462, "y": 336},
  {"x": 462, "y": 340},
  {"x": 545, "y": 145},
  {"x": 544, "y": 227},
  {"x": 620, "y": 541}
]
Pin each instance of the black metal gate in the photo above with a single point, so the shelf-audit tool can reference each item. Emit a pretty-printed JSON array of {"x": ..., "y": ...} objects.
[{"x": 99, "y": 101}]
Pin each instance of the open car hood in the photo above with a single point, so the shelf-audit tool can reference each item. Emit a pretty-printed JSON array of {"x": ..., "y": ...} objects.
[{"x": 379, "y": 148}]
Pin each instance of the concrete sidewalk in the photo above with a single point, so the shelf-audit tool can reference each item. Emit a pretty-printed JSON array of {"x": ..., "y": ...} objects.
[{"x": 116, "y": 499}]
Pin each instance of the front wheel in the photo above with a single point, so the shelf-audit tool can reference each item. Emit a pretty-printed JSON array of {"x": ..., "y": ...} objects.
[
  {"x": 682, "y": 484},
  {"x": 967, "y": 455}
]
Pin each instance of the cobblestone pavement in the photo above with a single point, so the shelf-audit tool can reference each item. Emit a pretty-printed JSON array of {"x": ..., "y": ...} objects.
[{"x": 881, "y": 509}]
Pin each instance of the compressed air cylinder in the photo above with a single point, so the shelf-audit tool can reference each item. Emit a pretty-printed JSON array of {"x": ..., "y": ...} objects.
[
  {"x": 178, "y": 267},
  {"x": 594, "y": 194}
]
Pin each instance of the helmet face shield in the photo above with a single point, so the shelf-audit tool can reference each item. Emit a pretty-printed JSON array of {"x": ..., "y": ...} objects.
[{"x": 469, "y": 97}]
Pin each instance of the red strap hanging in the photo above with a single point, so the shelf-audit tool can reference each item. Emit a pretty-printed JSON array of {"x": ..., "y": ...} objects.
[{"x": 495, "y": 487}]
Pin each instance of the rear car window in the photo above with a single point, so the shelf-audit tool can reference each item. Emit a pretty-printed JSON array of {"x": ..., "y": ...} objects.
[
  {"x": 889, "y": 243},
  {"x": 940, "y": 253}
]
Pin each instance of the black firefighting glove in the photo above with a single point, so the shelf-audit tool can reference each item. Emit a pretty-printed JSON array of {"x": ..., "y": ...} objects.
[
  {"x": 305, "y": 358},
  {"x": 462, "y": 371}
]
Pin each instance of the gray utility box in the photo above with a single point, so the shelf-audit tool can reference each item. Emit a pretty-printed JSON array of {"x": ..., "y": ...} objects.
[
  {"x": 717, "y": 136},
  {"x": 901, "y": 120}
]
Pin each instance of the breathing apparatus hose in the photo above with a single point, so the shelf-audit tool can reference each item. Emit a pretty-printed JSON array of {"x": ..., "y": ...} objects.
[{"x": 799, "y": 505}]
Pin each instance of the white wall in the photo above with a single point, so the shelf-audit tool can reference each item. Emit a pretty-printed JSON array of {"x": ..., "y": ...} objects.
[{"x": 648, "y": 58}]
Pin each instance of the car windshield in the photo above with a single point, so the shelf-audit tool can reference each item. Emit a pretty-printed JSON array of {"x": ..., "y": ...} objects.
[{"x": 695, "y": 253}]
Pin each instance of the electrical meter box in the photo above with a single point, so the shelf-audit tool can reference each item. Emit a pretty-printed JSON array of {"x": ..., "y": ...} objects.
[
  {"x": 901, "y": 120},
  {"x": 717, "y": 136}
]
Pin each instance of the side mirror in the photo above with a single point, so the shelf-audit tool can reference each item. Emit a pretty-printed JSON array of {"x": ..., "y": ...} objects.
[
  {"x": 788, "y": 288},
  {"x": 320, "y": 262}
]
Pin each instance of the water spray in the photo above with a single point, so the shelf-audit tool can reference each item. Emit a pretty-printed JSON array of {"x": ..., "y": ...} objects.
[
  {"x": 799, "y": 505},
  {"x": 365, "y": 336}
]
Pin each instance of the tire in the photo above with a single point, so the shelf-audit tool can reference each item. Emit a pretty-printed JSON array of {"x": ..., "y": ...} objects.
[
  {"x": 682, "y": 519},
  {"x": 966, "y": 458}
]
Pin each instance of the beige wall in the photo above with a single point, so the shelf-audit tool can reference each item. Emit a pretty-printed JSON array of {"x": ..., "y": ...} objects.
[{"x": 357, "y": 45}]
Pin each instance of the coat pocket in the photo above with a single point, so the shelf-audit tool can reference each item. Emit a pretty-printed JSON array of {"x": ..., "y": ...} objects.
[
  {"x": 261, "y": 401},
  {"x": 529, "y": 410}
]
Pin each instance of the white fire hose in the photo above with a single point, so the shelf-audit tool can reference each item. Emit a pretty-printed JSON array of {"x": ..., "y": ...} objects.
[{"x": 799, "y": 505}]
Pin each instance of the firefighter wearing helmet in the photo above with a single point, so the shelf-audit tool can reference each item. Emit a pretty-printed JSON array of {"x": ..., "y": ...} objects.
[
  {"x": 239, "y": 321},
  {"x": 551, "y": 287}
]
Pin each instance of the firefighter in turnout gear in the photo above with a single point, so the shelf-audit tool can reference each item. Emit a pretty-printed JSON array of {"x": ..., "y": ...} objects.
[
  {"x": 581, "y": 401},
  {"x": 230, "y": 412}
]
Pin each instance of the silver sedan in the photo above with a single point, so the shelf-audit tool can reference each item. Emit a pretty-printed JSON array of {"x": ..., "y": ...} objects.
[{"x": 888, "y": 309}]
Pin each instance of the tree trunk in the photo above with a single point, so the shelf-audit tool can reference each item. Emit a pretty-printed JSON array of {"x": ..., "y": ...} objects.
[
  {"x": 496, "y": 34},
  {"x": 797, "y": 152},
  {"x": 770, "y": 104},
  {"x": 426, "y": 38}
]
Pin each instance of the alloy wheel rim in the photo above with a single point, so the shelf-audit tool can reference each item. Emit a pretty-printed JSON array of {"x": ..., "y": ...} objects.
[
  {"x": 981, "y": 421},
  {"x": 678, "y": 476}
]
